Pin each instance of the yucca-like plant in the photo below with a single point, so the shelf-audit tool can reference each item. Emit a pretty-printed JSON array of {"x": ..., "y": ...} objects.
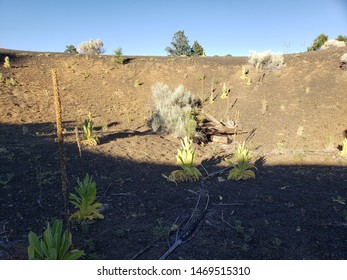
[
  {"x": 241, "y": 170},
  {"x": 344, "y": 148},
  {"x": 84, "y": 200},
  {"x": 7, "y": 62},
  {"x": 88, "y": 127},
  {"x": 225, "y": 92},
  {"x": 185, "y": 159},
  {"x": 54, "y": 244}
]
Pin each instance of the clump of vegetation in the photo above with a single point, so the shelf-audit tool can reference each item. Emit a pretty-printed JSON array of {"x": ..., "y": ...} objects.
[
  {"x": 180, "y": 46},
  {"x": 136, "y": 84},
  {"x": 71, "y": 49},
  {"x": 160, "y": 231},
  {"x": 343, "y": 58},
  {"x": 322, "y": 42},
  {"x": 84, "y": 200},
  {"x": 117, "y": 56},
  {"x": 54, "y": 244},
  {"x": 332, "y": 43},
  {"x": 342, "y": 38},
  {"x": 185, "y": 159},
  {"x": 174, "y": 111},
  {"x": 244, "y": 74},
  {"x": 197, "y": 49},
  {"x": 7, "y": 62},
  {"x": 318, "y": 42},
  {"x": 266, "y": 60},
  {"x": 247, "y": 232},
  {"x": 242, "y": 169},
  {"x": 225, "y": 92},
  {"x": 344, "y": 148},
  {"x": 88, "y": 127},
  {"x": 91, "y": 47}
]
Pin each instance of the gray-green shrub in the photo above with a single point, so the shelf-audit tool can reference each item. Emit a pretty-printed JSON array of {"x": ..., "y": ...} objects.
[
  {"x": 332, "y": 43},
  {"x": 266, "y": 60},
  {"x": 91, "y": 47},
  {"x": 174, "y": 110}
]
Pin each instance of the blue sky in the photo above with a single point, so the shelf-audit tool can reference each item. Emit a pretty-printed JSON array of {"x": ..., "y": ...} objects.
[{"x": 146, "y": 27}]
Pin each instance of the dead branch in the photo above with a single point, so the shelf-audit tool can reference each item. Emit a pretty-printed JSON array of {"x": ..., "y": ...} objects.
[
  {"x": 187, "y": 230},
  {"x": 216, "y": 173},
  {"x": 227, "y": 204},
  {"x": 141, "y": 252}
]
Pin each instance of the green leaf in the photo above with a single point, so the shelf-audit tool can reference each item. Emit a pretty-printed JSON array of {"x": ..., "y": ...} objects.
[
  {"x": 34, "y": 246},
  {"x": 65, "y": 244},
  {"x": 44, "y": 250},
  {"x": 47, "y": 237},
  {"x": 97, "y": 205},
  {"x": 73, "y": 255},
  {"x": 53, "y": 254},
  {"x": 57, "y": 231}
]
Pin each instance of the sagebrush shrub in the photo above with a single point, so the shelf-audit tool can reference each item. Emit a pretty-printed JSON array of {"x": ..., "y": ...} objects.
[
  {"x": 332, "y": 43},
  {"x": 173, "y": 111},
  {"x": 266, "y": 60},
  {"x": 91, "y": 47}
]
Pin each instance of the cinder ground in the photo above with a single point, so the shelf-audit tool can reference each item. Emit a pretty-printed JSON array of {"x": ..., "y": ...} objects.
[{"x": 294, "y": 119}]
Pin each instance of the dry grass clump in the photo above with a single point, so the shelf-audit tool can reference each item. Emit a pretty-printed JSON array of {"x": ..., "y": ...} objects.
[
  {"x": 174, "y": 110},
  {"x": 266, "y": 60}
]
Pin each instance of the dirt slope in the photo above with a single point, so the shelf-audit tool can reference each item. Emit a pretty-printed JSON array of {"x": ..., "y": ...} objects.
[{"x": 297, "y": 114}]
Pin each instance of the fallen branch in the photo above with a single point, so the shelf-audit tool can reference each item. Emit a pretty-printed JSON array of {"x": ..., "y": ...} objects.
[
  {"x": 216, "y": 173},
  {"x": 188, "y": 229},
  {"x": 227, "y": 204},
  {"x": 141, "y": 252}
]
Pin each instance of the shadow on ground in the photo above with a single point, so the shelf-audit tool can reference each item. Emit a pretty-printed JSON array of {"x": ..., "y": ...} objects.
[{"x": 287, "y": 212}]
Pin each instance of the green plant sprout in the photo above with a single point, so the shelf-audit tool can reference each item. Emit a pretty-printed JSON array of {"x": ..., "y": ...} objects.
[
  {"x": 117, "y": 56},
  {"x": 7, "y": 62},
  {"x": 225, "y": 92},
  {"x": 185, "y": 159},
  {"x": 88, "y": 127},
  {"x": 160, "y": 231},
  {"x": 54, "y": 244},
  {"x": 136, "y": 84},
  {"x": 84, "y": 200},
  {"x": 242, "y": 169}
]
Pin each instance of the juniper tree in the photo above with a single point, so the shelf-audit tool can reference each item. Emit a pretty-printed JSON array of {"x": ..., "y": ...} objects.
[
  {"x": 342, "y": 38},
  {"x": 179, "y": 45},
  {"x": 318, "y": 42},
  {"x": 197, "y": 49},
  {"x": 71, "y": 49}
]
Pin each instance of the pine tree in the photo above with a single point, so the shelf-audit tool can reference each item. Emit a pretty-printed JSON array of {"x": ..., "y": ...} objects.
[
  {"x": 197, "y": 49},
  {"x": 180, "y": 45}
]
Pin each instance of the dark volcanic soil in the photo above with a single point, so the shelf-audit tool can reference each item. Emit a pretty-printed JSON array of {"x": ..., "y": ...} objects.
[{"x": 293, "y": 120}]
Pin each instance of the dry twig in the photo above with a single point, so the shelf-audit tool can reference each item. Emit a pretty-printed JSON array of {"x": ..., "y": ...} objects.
[{"x": 186, "y": 231}]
